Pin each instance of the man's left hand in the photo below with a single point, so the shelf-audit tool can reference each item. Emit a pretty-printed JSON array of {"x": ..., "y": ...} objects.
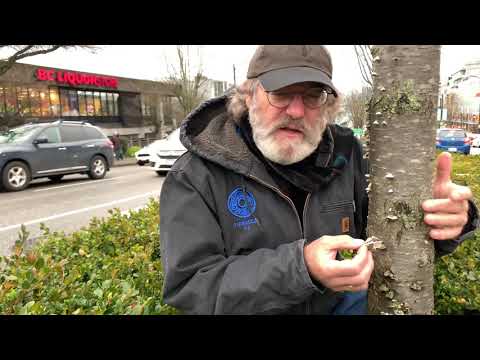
[{"x": 447, "y": 212}]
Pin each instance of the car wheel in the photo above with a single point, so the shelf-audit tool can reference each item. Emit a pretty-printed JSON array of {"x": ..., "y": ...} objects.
[
  {"x": 98, "y": 168},
  {"x": 141, "y": 163},
  {"x": 55, "y": 178},
  {"x": 161, "y": 173},
  {"x": 15, "y": 176}
]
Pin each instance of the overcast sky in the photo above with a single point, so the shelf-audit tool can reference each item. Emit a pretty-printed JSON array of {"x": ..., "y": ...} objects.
[{"x": 148, "y": 61}]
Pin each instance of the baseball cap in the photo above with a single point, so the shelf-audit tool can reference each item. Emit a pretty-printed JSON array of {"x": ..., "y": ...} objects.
[{"x": 277, "y": 66}]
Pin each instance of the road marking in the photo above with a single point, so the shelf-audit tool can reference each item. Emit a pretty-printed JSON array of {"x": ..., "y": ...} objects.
[
  {"x": 73, "y": 212},
  {"x": 83, "y": 183}
]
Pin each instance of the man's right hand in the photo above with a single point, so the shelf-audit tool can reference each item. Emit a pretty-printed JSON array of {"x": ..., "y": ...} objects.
[{"x": 345, "y": 275}]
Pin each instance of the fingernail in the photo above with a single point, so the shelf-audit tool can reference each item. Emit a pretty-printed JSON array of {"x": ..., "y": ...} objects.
[{"x": 358, "y": 242}]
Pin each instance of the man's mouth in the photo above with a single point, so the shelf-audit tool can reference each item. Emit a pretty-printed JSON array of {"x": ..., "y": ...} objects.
[{"x": 291, "y": 130}]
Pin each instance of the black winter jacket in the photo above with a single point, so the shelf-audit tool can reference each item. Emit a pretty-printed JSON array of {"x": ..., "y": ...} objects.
[{"x": 232, "y": 242}]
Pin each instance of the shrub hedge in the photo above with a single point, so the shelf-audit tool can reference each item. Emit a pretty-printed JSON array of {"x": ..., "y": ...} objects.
[
  {"x": 457, "y": 276},
  {"x": 113, "y": 266},
  {"x": 132, "y": 150}
]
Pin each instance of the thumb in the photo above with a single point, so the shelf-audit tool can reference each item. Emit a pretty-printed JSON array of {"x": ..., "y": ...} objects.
[
  {"x": 444, "y": 169},
  {"x": 343, "y": 242}
]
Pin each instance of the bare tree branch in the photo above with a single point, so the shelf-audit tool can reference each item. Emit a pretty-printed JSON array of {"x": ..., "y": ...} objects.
[
  {"x": 364, "y": 62},
  {"x": 185, "y": 84},
  {"x": 24, "y": 51},
  {"x": 355, "y": 105}
]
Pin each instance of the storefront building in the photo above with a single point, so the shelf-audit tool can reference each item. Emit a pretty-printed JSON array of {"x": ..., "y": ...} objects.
[{"x": 131, "y": 107}]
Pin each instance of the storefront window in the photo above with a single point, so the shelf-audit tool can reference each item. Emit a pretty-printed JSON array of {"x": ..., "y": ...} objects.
[
  {"x": 90, "y": 106},
  {"x": 81, "y": 103},
  {"x": 110, "y": 104},
  {"x": 10, "y": 100},
  {"x": 97, "y": 103},
  {"x": 54, "y": 102},
  {"x": 35, "y": 102},
  {"x": 23, "y": 101},
  {"x": 73, "y": 102},
  {"x": 147, "y": 102},
  {"x": 64, "y": 102},
  {"x": 44, "y": 102},
  {"x": 167, "y": 110},
  {"x": 103, "y": 97},
  {"x": 115, "y": 104}
]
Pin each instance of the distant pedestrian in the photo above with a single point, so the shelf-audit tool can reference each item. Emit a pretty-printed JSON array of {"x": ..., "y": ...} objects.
[{"x": 117, "y": 146}]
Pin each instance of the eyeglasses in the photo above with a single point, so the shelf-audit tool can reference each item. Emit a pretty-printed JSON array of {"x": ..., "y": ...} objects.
[{"x": 312, "y": 98}]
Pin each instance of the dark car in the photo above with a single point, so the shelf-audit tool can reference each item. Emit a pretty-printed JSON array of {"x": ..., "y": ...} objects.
[
  {"x": 53, "y": 150},
  {"x": 453, "y": 140}
]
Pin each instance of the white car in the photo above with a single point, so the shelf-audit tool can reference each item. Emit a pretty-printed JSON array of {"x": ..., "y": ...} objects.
[
  {"x": 143, "y": 155},
  {"x": 475, "y": 147},
  {"x": 167, "y": 153}
]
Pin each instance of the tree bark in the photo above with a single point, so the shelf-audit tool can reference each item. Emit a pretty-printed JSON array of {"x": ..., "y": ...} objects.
[{"x": 402, "y": 159}]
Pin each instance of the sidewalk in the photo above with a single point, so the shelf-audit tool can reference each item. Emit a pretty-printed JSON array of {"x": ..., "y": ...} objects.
[{"x": 125, "y": 161}]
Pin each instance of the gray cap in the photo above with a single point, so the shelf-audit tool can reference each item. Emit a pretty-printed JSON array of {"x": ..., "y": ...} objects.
[{"x": 277, "y": 66}]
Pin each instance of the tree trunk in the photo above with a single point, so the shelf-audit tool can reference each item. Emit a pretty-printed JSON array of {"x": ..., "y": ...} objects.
[{"x": 402, "y": 159}]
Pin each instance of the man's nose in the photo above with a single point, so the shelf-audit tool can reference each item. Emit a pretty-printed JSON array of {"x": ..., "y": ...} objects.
[{"x": 296, "y": 109}]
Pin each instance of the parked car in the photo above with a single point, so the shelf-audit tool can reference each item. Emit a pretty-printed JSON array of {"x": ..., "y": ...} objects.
[
  {"x": 453, "y": 140},
  {"x": 143, "y": 155},
  {"x": 167, "y": 153},
  {"x": 53, "y": 150},
  {"x": 475, "y": 148}
]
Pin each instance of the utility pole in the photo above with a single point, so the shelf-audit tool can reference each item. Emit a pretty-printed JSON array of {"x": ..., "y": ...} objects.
[
  {"x": 441, "y": 108},
  {"x": 234, "y": 78}
]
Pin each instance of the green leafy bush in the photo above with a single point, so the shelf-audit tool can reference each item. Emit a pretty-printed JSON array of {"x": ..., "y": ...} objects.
[
  {"x": 132, "y": 150},
  {"x": 457, "y": 276},
  {"x": 111, "y": 267}
]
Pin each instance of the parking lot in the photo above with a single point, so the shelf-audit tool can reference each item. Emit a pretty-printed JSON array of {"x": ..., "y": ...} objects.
[{"x": 70, "y": 204}]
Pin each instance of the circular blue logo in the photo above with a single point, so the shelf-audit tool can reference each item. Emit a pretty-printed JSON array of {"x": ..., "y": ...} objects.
[{"x": 241, "y": 203}]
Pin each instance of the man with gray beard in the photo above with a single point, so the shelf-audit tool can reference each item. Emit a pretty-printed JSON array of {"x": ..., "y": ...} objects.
[{"x": 253, "y": 216}]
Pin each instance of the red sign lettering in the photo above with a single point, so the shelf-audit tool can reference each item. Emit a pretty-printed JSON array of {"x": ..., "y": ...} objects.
[
  {"x": 75, "y": 78},
  {"x": 45, "y": 75}
]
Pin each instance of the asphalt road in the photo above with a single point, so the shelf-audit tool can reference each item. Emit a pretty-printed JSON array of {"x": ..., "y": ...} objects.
[{"x": 70, "y": 204}]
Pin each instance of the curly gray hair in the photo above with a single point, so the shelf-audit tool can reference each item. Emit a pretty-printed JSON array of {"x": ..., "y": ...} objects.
[{"x": 237, "y": 106}]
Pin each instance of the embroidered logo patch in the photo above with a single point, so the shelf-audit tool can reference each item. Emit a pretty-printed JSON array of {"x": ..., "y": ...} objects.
[
  {"x": 345, "y": 224},
  {"x": 241, "y": 203}
]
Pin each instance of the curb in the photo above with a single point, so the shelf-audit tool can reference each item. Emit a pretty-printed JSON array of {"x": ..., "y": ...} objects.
[{"x": 124, "y": 162}]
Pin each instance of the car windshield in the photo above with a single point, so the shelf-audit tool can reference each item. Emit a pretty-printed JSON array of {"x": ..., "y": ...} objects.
[
  {"x": 451, "y": 133},
  {"x": 16, "y": 135}
]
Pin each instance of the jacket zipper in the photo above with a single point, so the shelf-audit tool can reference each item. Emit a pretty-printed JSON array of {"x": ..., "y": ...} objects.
[
  {"x": 307, "y": 307},
  {"x": 307, "y": 201},
  {"x": 283, "y": 196}
]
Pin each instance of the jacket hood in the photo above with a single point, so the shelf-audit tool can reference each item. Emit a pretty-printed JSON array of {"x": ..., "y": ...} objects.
[{"x": 210, "y": 132}]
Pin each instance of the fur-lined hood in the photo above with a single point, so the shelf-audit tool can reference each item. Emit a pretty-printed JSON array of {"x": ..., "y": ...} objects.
[{"x": 210, "y": 132}]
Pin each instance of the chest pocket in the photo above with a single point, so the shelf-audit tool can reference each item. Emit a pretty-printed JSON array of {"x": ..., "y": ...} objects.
[{"x": 333, "y": 219}]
